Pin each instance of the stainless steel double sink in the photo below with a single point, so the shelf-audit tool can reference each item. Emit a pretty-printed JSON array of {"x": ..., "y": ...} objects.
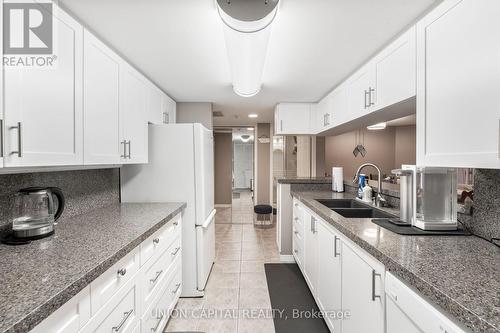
[{"x": 352, "y": 208}]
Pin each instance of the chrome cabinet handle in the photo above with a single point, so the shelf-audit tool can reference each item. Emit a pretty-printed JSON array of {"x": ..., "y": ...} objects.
[
  {"x": 370, "y": 102},
  {"x": 122, "y": 271},
  {"x": 164, "y": 117},
  {"x": 129, "y": 153},
  {"x": 156, "y": 241},
  {"x": 124, "y": 143},
  {"x": 313, "y": 225},
  {"x": 366, "y": 95},
  {"x": 153, "y": 281},
  {"x": 1, "y": 137},
  {"x": 168, "y": 118},
  {"x": 154, "y": 329},
  {"x": 296, "y": 232},
  {"x": 120, "y": 325},
  {"x": 19, "y": 150},
  {"x": 335, "y": 253},
  {"x": 178, "y": 285},
  {"x": 176, "y": 251},
  {"x": 374, "y": 296}
]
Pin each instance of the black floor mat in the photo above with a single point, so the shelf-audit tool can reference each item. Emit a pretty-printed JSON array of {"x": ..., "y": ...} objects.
[{"x": 289, "y": 293}]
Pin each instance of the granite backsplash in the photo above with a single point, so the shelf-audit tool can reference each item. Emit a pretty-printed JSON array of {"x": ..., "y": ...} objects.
[
  {"x": 485, "y": 221},
  {"x": 84, "y": 190}
]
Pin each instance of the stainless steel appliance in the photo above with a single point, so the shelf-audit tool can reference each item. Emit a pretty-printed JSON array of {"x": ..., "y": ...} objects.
[
  {"x": 436, "y": 198},
  {"x": 35, "y": 211},
  {"x": 406, "y": 190}
]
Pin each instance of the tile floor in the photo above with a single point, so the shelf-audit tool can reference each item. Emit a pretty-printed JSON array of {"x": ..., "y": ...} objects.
[{"x": 237, "y": 282}]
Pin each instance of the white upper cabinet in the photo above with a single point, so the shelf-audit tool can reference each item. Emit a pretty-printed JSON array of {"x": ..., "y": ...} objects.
[
  {"x": 101, "y": 87},
  {"x": 458, "y": 82},
  {"x": 161, "y": 108},
  {"x": 169, "y": 110},
  {"x": 293, "y": 118},
  {"x": 362, "y": 293},
  {"x": 395, "y": 72},
  {"x": 133, "y": 115},
  {"x": 2, "y": 129},
  {"x": 156, "y": 113},
  {"x": 43, "y": 106},
  {"x": 361, "y": 89}
]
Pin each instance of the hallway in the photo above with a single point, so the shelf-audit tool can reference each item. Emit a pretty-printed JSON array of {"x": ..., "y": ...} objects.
[{"x": 237, "y": 282}]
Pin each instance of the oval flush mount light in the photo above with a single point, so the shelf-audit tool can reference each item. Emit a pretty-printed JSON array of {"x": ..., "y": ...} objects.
[
  {"x": 247, "y": 26},
  {"x": 253, "y": 115}
]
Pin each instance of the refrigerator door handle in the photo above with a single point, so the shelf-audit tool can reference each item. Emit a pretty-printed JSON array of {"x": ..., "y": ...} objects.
[{"x": 209, "y": 219}]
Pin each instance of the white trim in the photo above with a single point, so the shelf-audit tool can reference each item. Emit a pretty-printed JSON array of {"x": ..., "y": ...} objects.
[
  {"x": 16, "y": 170},
  {"x": 287, "y": 258}
]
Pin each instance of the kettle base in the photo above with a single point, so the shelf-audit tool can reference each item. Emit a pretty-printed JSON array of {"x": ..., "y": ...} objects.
[
  {"x": 34, "y": 233},
  {"x": 11, "y": 239}
]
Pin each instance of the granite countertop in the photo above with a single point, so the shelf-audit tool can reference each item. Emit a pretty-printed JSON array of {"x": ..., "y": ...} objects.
[
  {"x": 304, "y": 180},
  {"x": 461, "y": 274},
  {"x": 36, "y": 279}
]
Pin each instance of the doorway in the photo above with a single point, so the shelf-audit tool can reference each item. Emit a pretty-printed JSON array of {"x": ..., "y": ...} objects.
[
  {"x": 243, "y": 175},
  {"x": 234, "y": 174}
]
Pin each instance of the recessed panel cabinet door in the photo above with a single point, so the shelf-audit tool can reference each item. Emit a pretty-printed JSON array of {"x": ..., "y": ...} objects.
[
  {"x": 361, "y": 87},
  {"x": 395, "y": 70},
  {"x": 458, "y": 85},
  {"x": 133, "y": 115},
  {"x": 156, "y": 112},
  {"x": 329, "y": 275},
  {"x": 101, "y": 103},
  {"x": 43, "y": 106},
  {"x": 311, "y": 251},
  {"x": 362, "y": 294}
]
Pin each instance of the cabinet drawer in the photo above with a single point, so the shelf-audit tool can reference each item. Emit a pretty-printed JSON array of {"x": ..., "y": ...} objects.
[
  {"x": 120, "y": 314},
  {"x": 156, "y": 317},
  {"x": 155, "y": 276},
  {"x": 161, "y": 239},
  {"x": 68, "y": 318},
  {"x": 106, "y": 285},
  {"x": 298, "y": 227},
  {"x": 298, "y": 250}
]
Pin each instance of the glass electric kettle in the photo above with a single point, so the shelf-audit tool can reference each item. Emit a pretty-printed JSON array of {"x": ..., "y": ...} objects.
[{"x": 35, "y": 211}]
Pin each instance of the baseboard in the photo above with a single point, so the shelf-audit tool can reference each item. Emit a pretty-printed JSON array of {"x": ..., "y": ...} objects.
[
  {"x": 222, "y": 205},
  {"x": 287, "y": 258}
]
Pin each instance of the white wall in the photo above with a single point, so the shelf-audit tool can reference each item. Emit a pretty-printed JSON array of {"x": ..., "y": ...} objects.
[{"x": 195, "y": 112}]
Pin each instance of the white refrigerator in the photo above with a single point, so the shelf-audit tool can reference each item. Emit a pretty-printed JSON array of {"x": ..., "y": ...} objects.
[{"x": 180, "y": 169}]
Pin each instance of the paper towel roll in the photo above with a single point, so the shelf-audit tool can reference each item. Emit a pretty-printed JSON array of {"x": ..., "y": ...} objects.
[{"x": 338, "y": 179}]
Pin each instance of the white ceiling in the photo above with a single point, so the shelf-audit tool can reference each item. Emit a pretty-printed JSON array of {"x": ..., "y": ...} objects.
[{"x": 314, "y": 45}]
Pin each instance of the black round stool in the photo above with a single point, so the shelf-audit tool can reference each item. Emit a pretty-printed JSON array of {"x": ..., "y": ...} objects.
[{"x": 263, "y": 215}]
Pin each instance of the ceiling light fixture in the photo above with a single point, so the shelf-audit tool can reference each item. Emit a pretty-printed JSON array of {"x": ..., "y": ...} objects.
[
  {"x": 247, "y": 26},
  {"x": 245, "y": 138},
  {"x": 253, "y": 115},
  {"x": 249, "y": 128},
  {"x": 379, "y": 126}
]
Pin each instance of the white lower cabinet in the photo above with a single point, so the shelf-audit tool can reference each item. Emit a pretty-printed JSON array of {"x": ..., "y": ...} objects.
[
  {"x": 131, "y": 296},
  {"x": 341, "y": 277},
  {"x": 408, "y": 312},
  {"x": 70, "y": 317},
  {"x": 362, "y": 293},
  {"x": 329, "y": 288},
  {"x": 311, "y": 250}
]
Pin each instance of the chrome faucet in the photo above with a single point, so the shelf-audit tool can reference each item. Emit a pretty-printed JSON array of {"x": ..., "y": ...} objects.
[{"x": 379, "y": 200}]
